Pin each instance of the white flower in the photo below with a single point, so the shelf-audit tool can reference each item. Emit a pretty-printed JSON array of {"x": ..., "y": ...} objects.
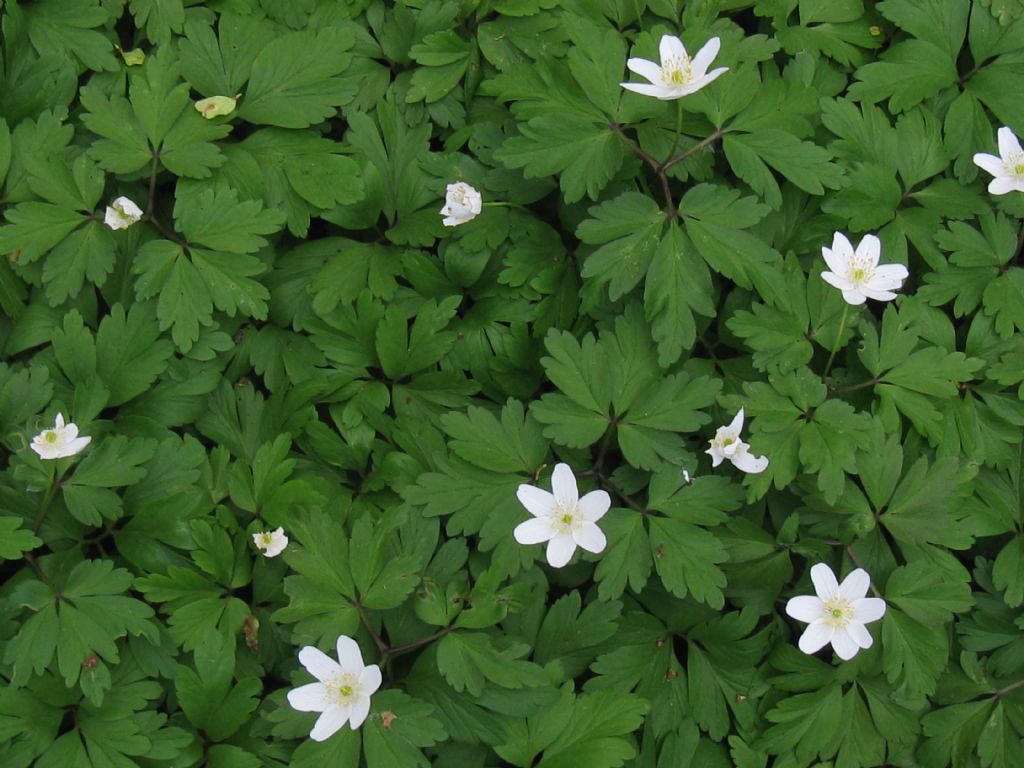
[
  {"x": 1008, "y": 168},
  {"x": 678, "y": 75},
  {"x": 271, "y": 543},
  {"x": 59, "y": 442},
  {"x": 858, "y": 274},
  {"x": 838, "y": 613},
  {"x": 727, "y": 445},
  {"x": 343, "y": 691},
  {"x": 122, "y": 213},
  {"x": 462, "y": 203},
  {"x": 562, "y": 519}
]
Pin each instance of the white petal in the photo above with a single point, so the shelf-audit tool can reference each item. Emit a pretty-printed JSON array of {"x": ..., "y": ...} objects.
[
  {"x": 859, "y": 634},
  {"x": 560, "y": 550},
  {"x": 837, "y": 280},
  {"x": 534, "y": 531},
  {"x": 370, "y": 679},
  {"x": 716, "y": 454},
  {"x": 870, "y": 248},
  {"x": 329, "y": 723},
  {"x": 309, "y": 698},
  {"x": 835, "y": 262},
  {"x": 360, "y": 709},
  {"x": 736, "y": 425},
  {"x": 825, "y": 584},
  {"x": 705, "y": 56},
  {"x": 844, "y": 645},
  {"x": 657, "y": 91},
  {"x": 805, "y": 608},
  {"x": 317, "y": 663},
  {"x": 815, "y": 637},
  {"x": 1003, "y": 185},
  {"x": 590, "y": 537},
  {"x": 875, "y": 294},
  {"x": 646, "y": 69},
  {"x": 842, "y": 247},
  {"x": 563, "y": 486},
  {"x": 59, "y": 422},
  {"x": 868, "y": 609},
  {"x": 350, "y": 658},
  {"x": 670, "y": 47},
  {"x": 855, "y": 585},
  {"x": 1008, "y": 143},
  {"x": 749, "y": 463},
  {"x": 891, "y": 272},
  {"x": 75, "y": 446},
  {"x": 700, "y": 82},
  {"x": 855, "y": 297},
  {"x": 537, "y": 501},
  {"x": 990, "y": 163},
  {"x": 594, "y": 505}
]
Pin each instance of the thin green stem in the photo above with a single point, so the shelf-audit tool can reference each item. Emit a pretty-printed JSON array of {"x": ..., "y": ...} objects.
[
  {"x": 679, "y": 130},
  {"x": 504, "y": 204},
  {"x": 154, "y": 167},
  {"x": 1011, "y": 687},
  {"x": 835, "y": 344},
  {"x": 412, "y": 646},
  {"x": 44, "y": 505},
  {"x": 719, "y": 133},
  {"x": 382, "y": 647}
]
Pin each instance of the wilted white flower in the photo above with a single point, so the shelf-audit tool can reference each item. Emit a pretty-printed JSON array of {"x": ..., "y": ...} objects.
[
  {"x": 59, "y": 442},
  {"x": 271, "y": 543},
  {"x": 1008, "y": 168},
  {"x": 562, "y": 518},
  {"x": 462, "y": 203},
  {"x": 726, "y": 444},
  {"x": 342, "y": 692},
  {"x": 122, "y": 213},
  {"x": 215, "y": 106},
  {"x": 678, "y": 75},
  {"x": 857, "y": 273},
  {"x": 838, "y": 613}
]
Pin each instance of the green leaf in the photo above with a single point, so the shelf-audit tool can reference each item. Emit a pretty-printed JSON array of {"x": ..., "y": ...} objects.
[
  {"x": 398, "y": 730},
  {"x": 14, "y": 539},
  {"x": 687, "y": 558},
  {"x": 208, "y": 695},
  {"x": 469, "y": 659},
  {"x": 161, "y": 18},
  {"x": 295, "y": 79},
  {"x": 629, "y": 227}
]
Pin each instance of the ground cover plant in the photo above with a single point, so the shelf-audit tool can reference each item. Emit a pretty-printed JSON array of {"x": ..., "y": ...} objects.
[{"x": 532, "y": 383}]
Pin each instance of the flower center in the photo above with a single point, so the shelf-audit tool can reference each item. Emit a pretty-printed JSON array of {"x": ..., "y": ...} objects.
[
  {"x": 459, "y": 196},
  {"x": 565, "y": 519},
  {"x": 838, "y": 612},
  {"x": 267, "y": 538},
  {"x": 676, "y": 70},
  {"x": 1015, "y": 165},
  {"x": 341, "y": 690},
  {"x": 860, "y": 272},
  {"x": 50, "y": 436}
]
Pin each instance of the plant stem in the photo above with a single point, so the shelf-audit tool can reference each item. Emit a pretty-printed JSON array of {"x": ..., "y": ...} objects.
[
  {"x": 679, "y": 130},
  {"x": 151, "y": 203},
  {"x": 1011, "y": 687},
  {"x": 719, "y": 133},
  {"x": 835, "y": 344},
  {"x": 44, "y": 505},
  {"x": 411, "y": 646},
  {"x": 382, "y": 647}
]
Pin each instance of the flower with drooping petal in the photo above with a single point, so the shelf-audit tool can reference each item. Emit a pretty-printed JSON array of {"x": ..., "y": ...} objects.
[
  {"x": 838, "y": 613},
  {"x": 857, "y": 273},
  {"x": 562, "y": 518},
  {"x": 122, "y": 213},
  {"x": 342, "y": 691},
  {"x": 1008, "y": 168},
  {"x": 271, "y": 543},
  {"x": 215, "y": 106},
  {"x": 462, "y": 203},
  {"x": 726, "y": 444},
  {"x": 678, "y": 75},
  {"x": 59, "y": 442}
]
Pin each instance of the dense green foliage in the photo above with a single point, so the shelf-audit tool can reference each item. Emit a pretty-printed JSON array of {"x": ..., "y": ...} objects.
[{"x": 291, "y": 338}]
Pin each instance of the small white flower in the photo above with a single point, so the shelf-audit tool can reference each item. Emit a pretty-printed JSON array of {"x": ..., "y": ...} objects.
[
  {"x": 1008, "y": 168},
  {"x": 271, "y": 543},
  {"x": 562, "y": 519},
  {"x": 59, "y": 442},
  {"x": 858, "y": 274},
  {"x": 122, "y": 213},
  {"x": 838, "y": 613},
  {"x": 462, "y": 203},
  {"x": 687, "y": 477},
  {"x": 726, "y": 444},
  {"x": 678, "y": 75},
  {"x": 343, "y": 691}
]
